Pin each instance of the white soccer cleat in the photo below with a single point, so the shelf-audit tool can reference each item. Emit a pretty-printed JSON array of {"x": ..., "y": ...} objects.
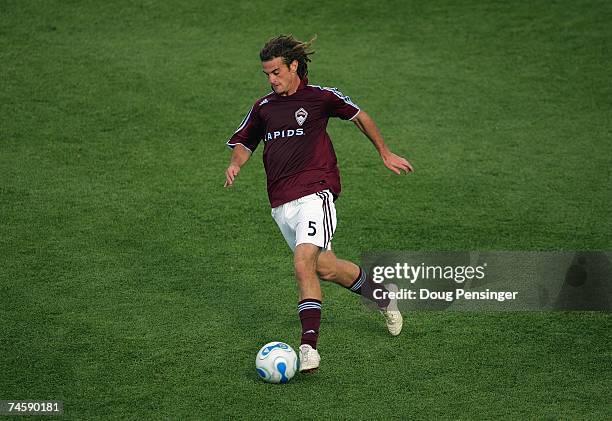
[
  {"x": 309, "y": 358},
  {"x": 393, "y": 317}
]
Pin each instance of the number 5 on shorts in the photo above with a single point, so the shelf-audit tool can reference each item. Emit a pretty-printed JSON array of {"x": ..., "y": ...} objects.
[{"x": 311, "y": 225}]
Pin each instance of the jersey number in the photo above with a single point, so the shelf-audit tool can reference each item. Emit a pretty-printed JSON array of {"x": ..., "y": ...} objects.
[{"x": 311, "y": 225}]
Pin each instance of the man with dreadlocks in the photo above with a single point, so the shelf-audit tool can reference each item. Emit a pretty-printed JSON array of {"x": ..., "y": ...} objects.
[{"x": 304, "y": 181}]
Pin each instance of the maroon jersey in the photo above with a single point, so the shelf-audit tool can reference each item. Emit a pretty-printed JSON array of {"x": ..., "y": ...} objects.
[{"x": 298, "y": 154}]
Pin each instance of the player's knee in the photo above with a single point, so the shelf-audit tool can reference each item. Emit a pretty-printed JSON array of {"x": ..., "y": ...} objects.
[{"x": 305, "y": 262}]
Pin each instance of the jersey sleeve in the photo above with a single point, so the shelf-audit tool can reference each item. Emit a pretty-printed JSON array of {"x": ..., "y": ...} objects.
[
  {"x": 250, "y": 131},
  {"x": 339, "y": 105}
]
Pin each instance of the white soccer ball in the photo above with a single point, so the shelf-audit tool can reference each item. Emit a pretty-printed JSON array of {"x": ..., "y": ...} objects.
[{"x": 276, "y": 362}]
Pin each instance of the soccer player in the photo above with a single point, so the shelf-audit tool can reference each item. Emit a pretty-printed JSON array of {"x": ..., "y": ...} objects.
[{"x": 303, "y": 180}]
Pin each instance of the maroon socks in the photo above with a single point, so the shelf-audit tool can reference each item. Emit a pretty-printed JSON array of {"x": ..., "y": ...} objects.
[{"x": 310, "y": 316}]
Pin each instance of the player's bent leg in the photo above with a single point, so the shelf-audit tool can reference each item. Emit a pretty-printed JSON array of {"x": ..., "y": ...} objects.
[
  {"x": 332, "y": 269},
  {"x": 352, "y": 277},
  {"x": 309, "y": 306}
]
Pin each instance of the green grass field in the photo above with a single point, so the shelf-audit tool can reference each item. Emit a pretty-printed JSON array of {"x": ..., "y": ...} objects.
[{"x": 132, "y": 285}]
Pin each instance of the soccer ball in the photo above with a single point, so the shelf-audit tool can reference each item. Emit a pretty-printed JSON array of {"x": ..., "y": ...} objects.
[{"x": 276, "y": 362}]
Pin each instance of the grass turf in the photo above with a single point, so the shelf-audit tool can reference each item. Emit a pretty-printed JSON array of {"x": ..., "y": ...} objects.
[{"x": 134, "y": 286}]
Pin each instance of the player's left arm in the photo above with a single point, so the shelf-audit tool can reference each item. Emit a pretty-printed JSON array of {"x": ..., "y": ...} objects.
[{"x": 394, "y": 162}]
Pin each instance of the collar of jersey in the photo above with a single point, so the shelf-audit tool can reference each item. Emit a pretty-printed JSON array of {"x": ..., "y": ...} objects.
[{"x": 302, "y": 85}]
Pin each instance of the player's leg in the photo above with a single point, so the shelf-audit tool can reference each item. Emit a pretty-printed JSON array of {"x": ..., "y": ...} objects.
[
  {"x": 287, "y": 218},
  {"x": 332, "y": 269},
  {"x": 314, "y": 229},
  {"x": 309, "y": 305},
  {"x": 354, "y": 278},
  {"x": 305, "y": 265},
  {"x": 350, "y": 276}
]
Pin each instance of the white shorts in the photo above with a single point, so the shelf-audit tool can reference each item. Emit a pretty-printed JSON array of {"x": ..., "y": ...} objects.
[{"x": 309, "y": 219}]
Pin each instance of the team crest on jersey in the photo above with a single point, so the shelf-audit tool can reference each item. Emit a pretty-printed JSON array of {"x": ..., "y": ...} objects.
[{"x": 300, "y": 116}]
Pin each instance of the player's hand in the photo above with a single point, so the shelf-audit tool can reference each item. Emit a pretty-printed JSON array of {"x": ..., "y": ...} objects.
[
  {"x": 396, "y": 163},
  {"x": 230, "y": 175}
]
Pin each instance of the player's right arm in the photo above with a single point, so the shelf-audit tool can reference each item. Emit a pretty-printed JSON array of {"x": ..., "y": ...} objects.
[{"x": 240, "y": 155}]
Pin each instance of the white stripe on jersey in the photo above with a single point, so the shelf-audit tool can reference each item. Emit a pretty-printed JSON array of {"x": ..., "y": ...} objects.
[
  {"x": 244, "y": 121},
  {"x": 232, "y": 145},
  {"x": 338, "y": 94}
]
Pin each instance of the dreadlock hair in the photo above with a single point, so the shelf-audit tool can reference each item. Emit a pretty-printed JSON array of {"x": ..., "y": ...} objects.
[{"x": 289, "y": 49}]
